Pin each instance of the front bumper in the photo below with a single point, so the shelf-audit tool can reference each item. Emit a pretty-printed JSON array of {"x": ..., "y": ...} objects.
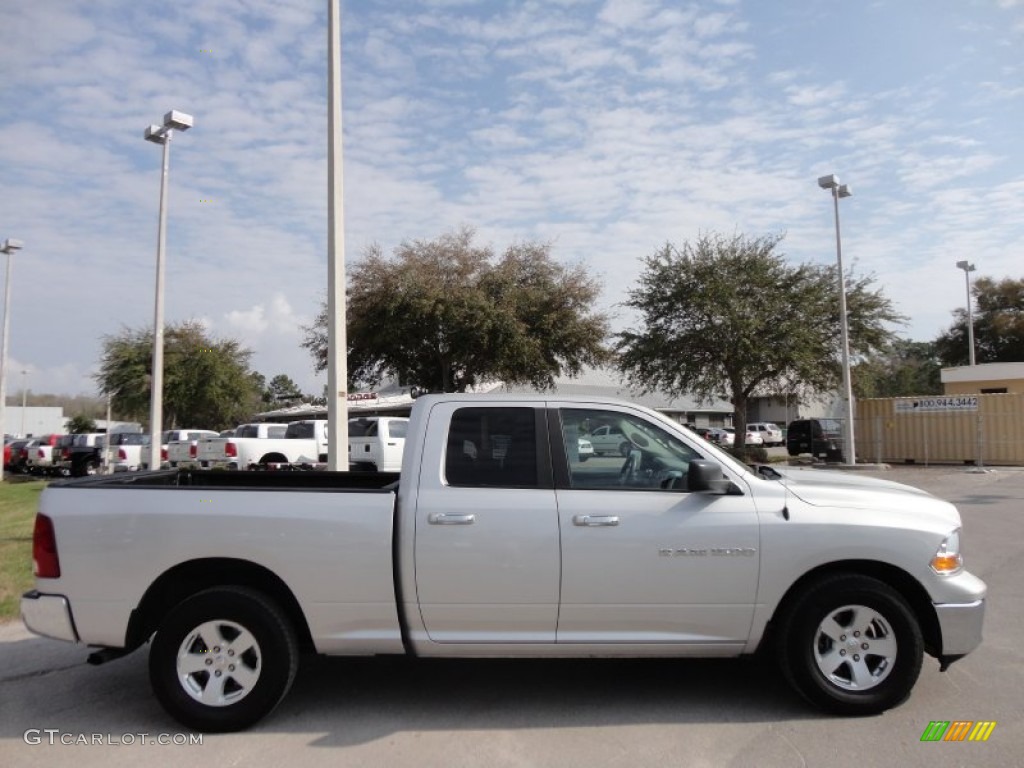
[
  {"x": 48, "y": 615},
  {"x": 960, "y": 624}
]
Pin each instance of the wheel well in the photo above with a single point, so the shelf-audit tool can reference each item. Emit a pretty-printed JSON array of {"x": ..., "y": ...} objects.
[
  {"x": 908, "y": 587},
  {"x": 186, "y": 579},
  {"x": 278, "y": 458}
]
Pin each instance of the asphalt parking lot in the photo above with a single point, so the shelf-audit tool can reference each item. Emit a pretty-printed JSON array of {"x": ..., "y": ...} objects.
[{"x": 378, "y": 712}]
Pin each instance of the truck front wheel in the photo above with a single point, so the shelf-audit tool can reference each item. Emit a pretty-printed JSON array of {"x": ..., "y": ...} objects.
[
  {"x": 851, "y": 645},
  {"x": 223, "y": 659}
]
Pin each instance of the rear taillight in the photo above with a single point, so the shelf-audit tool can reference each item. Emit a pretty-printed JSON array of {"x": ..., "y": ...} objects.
[
  {"x": 230, "y": 449},
  {"x": 39, "y": 453},
  {"x": 163, "y": 454},
  {"x": 193, "y": 451},
  {"x": 122, "y": 455},
  {"x": 45, "y": 563}
]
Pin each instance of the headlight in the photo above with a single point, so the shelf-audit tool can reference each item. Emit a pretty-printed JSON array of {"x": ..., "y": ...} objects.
[{"x": 948, "y": 558}]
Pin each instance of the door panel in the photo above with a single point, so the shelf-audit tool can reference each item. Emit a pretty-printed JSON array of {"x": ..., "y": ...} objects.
[
  {"x": 677, "y": 567},
  {"x": 673, "y": 567},
  {"x": 487, "y": 545}
]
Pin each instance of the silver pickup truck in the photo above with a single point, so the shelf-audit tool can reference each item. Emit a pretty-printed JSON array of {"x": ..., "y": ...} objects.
[{"x": 499, "y": 540}]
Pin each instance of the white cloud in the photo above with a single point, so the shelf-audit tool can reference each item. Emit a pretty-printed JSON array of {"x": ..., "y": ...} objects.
[
  {"x": 249, "y": 322},
  {"x": 814, "y": 95},
  {"x": 626, "y": 13},
  {"x": 277, "y": 318}
]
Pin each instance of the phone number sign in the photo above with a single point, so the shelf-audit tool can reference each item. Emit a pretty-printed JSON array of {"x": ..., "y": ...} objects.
[{"x": 935, "y": 404}]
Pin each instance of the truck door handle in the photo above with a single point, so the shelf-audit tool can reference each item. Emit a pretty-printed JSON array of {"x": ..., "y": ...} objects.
[
  {"x": 595, "y": 520},
  {"x": 440, "y": 518}
]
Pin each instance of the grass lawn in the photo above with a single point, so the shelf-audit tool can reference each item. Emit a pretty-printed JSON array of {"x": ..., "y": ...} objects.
[{"x": 18, "y": 504}]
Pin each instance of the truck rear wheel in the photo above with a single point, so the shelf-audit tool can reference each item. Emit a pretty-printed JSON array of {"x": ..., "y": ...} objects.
[
  {"x": 851, "y": 645},
  {"x": 223, "y": 659}
]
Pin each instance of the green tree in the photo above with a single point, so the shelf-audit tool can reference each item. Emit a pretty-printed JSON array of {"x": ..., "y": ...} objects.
[
  {"x": 729, "y": 317},
  {"x": 901, "y": 369},
  {"x": 259, "y": 383},
  {"x": 283, "y": 390},
  {"x": 998, "y": 325},
  {"x": 445, "y": 314},
  {"x": 207, "y": 382},
  {"x": 80, "y": 424}
]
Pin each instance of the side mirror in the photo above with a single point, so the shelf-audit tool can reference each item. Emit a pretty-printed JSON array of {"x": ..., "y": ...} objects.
[{"x": 706, "y": 476}]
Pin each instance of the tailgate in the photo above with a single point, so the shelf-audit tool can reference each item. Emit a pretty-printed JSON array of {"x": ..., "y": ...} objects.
[{"x": 211, "y": 448}]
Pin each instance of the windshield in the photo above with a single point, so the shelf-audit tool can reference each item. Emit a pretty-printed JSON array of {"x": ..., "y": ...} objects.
[
  {"x": 362, "y": 427},
  {"x": 830, "y": 427},
  {"x": 302, "y": 430}
]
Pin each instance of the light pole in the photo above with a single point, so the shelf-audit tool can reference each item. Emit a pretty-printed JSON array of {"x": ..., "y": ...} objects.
[
  {"x": 9, "y": 247},
  {"x": 161, "y": 134},
  {"x": 968, "y": 268},
  {"x": 24, "y": 394},
  {"x": 831, "y": 182},
  {"x": 337, "y": 344}
]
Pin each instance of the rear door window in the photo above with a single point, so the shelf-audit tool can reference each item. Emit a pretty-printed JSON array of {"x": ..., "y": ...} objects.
[{"x": 492, "y": 447}]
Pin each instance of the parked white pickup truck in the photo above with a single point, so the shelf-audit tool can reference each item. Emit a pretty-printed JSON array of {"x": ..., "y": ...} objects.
[
  {"x": 39, "y": 459},
  {"x": 500, "y": 541},
  {"x": 377, "y": 442},
  {"x": 181, "y": 446},
  {"x": 261, "y": 445},
  {"x": 129, "y": 451}
]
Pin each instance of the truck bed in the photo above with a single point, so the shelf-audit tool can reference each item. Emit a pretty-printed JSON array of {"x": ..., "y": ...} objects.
[
  {"x": 385, "y": 482},
  {"x": 326, "y": 539}
]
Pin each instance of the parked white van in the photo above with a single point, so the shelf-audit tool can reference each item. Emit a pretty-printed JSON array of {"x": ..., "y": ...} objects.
[{"x": 376, "y": 443}]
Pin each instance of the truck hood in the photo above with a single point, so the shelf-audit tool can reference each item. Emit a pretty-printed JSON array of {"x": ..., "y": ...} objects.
[{"x": 851, "y": 489}]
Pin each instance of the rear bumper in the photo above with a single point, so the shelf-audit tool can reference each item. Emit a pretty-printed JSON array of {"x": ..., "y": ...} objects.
[
  {"x": 49, "y": 616},
  {"x": 961, "y": 625}
]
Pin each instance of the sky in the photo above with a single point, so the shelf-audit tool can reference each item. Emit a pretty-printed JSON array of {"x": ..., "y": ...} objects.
[{"x": 605, "y": 127}]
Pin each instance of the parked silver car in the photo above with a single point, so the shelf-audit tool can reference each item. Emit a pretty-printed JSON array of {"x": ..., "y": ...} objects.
[
  {"x": 770, "y": 433},
  {"x": 609, "y": 439},
  {"x": 752, "y": 437}
]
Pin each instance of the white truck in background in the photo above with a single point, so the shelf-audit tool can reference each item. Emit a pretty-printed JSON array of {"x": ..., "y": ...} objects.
[
  {"x": 255, "y": 446},
  {"x": 180, "y": 447},
  {"x": 39, "y": 459},
  {"x": 129, "y": 451},
  {"x": 376, "y": 443}
]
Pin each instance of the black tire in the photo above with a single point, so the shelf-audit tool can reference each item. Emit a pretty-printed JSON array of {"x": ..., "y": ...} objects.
[
  {"x": 201, "y": 630},
  {"x": 850, "y": 645}
]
